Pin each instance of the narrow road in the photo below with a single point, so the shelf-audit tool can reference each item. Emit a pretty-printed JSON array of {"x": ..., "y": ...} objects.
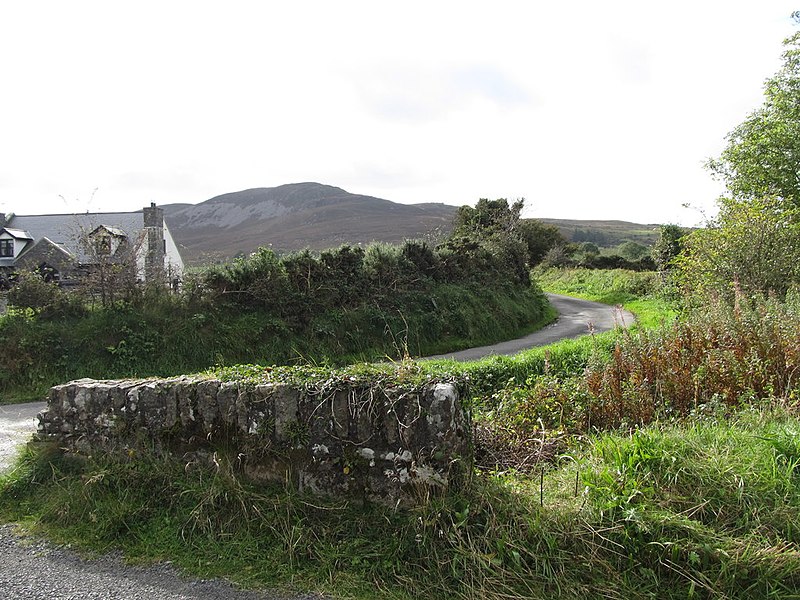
[
  {"x": 32, "y": 569},
  {"x": 576, "y": 317},
  {"x": 17, "y": 424}
]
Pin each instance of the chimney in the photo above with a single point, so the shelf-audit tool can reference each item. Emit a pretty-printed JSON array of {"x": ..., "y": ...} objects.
[
  {"x": 153, "y": 218},
  {"x": 2, "y": 220}
]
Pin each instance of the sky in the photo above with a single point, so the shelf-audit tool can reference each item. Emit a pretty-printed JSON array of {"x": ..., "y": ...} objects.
[{"x": 588, "y": 110}]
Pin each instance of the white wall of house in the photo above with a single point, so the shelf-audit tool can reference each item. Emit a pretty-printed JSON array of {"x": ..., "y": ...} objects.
[
  {"x": 18, "y": 244},
  {"x": 173, "y": 263}
]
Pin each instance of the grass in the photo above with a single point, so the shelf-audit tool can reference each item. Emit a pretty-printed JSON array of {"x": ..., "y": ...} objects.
[
  {"x": 664, "y": 463},
  {"x": 645, "y": 294},
  {"x": 708, "y": 509},
  {"x": 166, "y": 336}
]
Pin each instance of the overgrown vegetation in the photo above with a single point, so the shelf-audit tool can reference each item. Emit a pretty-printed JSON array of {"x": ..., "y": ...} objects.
[
  {"x": 705, "y": 510},
  {"x": 343, "y": 305},
  {"x": 656, "y": 462}
]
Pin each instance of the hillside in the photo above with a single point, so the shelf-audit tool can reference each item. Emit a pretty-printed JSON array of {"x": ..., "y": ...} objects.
[
  {"x": 605, "y": 234},
  {"x": 296, "y": 216},
  {"x": 316, "y": 216}
]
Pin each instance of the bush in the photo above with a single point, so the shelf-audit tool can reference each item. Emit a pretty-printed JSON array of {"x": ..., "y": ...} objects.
[{"x": 752, "y": 246}]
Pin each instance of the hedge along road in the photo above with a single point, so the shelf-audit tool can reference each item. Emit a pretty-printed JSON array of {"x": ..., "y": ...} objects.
[
  {"x": 576, "y": 317},
  {"x": 33, "y": 569}
]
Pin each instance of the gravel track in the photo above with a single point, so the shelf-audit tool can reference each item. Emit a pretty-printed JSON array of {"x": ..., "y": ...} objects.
[{"x": 33, "y": 569}]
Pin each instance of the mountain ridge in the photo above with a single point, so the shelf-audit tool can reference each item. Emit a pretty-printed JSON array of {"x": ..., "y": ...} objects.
[
  {"x": 296, "y": 216},
  {"x": 317, "y": 216}
]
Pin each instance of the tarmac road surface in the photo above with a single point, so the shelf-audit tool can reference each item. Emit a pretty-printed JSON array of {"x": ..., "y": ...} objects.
[
  {"x": 17, "y": 424},
  {"x": 576, "y": 318}
]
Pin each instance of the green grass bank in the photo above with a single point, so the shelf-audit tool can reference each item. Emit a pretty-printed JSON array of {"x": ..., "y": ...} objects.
[{"x": 700, "y": 510}]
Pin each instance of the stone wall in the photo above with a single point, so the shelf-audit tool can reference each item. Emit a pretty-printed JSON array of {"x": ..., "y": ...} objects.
[{"x": 393, "y": 445}]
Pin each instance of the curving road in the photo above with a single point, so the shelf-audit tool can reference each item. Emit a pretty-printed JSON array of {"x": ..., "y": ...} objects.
[
  {"x": 32, "y": 569},
  {"x": 576, "y": 317}
]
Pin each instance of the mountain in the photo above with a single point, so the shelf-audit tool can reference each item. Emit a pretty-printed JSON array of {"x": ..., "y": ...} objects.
[
  {"x": 312, "y": 215},
  {"x": 296, "y": 216}
]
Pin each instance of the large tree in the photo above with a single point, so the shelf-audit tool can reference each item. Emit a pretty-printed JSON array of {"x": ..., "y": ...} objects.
[
  {"x": 752, "y": 245},
  {"x": 762, "y": 157}
]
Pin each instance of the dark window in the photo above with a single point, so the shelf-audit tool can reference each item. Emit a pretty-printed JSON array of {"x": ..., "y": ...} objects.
[
  {"x": 103, "y": 245},
  {"x": 7, "y": 248}
]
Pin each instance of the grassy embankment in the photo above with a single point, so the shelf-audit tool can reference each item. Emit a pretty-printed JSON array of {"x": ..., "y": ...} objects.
[
  {"x": 667, "y": 467},
  {"x": 156, "y": 334}
]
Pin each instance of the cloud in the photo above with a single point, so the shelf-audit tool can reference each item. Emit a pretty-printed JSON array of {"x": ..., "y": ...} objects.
[
  {"x": 631, "y": 60},
  {"x": 172, "y": 180},
  {"x": 492, "y": 84},
  {"x": 414, "y": 93}
]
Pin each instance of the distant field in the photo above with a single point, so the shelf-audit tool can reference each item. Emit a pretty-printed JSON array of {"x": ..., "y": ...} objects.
[{"x": 605, "y": 233}]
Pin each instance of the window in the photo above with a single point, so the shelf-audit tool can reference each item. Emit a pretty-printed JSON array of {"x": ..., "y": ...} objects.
[
  {"x": 102, "y": 245},
  {"x": 6, "y": 248}
]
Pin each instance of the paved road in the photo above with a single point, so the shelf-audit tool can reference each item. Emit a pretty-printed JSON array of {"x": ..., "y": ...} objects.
[
  {"x": 17, "y": 423},
  {"x": 32, "y": 569},
  {"x": 575, "y": 318}
]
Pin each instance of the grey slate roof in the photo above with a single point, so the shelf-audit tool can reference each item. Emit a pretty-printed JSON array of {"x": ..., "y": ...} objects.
[
  {"x": 67, "y": 230},
  {"x": 18, "y": 233}
]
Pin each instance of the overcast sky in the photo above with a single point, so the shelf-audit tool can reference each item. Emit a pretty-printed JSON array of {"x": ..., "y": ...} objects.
[{"x": 586, "y": 109}]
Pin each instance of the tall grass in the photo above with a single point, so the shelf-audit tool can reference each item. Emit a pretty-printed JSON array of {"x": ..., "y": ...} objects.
[
  {"x": 712, "y": 362},
  {"x": 709, "y": 510}
]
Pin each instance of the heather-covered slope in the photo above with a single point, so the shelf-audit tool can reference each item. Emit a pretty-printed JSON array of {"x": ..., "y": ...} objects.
[{"x": 296, "y": 216}]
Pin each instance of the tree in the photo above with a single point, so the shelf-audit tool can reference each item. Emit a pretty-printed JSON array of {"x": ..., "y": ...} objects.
[
  {"x": 539, "y": 238},
  {"x": 752, "y": 244},
  {"x": 486, "y": 240},
  {"x": 489, "y": 217},
  {"x": 668, "y": 246},
  {"x": 632, "y": 251},
  {"x": 762, "y": 156},
  {"x": 498, "y": 224}
]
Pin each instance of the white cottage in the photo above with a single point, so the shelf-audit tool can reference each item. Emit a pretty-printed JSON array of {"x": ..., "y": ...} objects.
[{"x": 63, "y": 247}]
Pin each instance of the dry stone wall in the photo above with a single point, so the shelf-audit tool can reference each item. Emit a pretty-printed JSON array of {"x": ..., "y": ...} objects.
[{"x": 390, "y": 444}]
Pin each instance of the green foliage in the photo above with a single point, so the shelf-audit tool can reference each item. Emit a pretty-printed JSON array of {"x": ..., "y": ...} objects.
[
  {"x": 752, "y": 245},
  {"x": 31, "y": 291},
  {"x": 258, "y": 280},
  {"x": 668, "y": 246},
  {"x": 496, "y": 225},
  {"x": 711, "y": 509},
  {"x": 763, "y": 152},
  {"x": 615, "y": 286},
  {"x": 632, "y": 251},
  {"x": 345, "y": 304},
  {"x": 487, "y": 219},
  {"x": 539, "y": 239}
]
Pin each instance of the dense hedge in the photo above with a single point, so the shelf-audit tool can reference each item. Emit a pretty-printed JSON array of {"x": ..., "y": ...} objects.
[{"x": 345, "y": 304}]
